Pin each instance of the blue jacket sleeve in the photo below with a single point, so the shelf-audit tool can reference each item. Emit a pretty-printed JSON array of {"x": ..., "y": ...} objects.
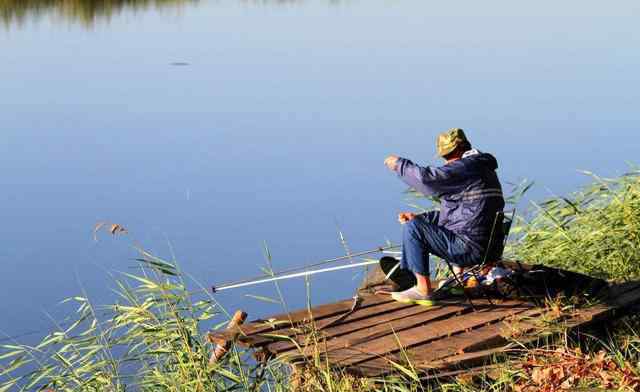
[{"x": 431, "y": 181}]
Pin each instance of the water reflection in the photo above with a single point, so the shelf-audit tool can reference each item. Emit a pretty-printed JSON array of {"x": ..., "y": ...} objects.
[{"x": 86, "y": 12}]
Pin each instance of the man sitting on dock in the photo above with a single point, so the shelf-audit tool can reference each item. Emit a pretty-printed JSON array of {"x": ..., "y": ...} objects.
[{"x": 471, "y": 198}]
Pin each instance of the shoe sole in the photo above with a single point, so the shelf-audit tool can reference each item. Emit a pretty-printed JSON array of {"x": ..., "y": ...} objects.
[
  {"x": 421, "y": 302},
  {"x": 424, "y": 302}
]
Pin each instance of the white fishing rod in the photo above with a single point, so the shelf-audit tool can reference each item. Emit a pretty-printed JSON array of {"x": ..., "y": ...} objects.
[{"x": 303, "y": 271}]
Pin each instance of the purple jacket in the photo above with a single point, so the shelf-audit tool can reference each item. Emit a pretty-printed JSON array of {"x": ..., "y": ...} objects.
[{"x": 469, "y": 190}]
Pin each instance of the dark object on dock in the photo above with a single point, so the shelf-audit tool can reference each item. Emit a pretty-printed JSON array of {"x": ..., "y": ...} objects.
[
  {"x": 403, "y": 279},
  {"x": 372, "y": 338}
]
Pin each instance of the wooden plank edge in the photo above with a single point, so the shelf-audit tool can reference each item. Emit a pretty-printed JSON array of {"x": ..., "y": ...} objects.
[
  {"x": 629, "y": 301},
  {"x": 353, "y": 355},
  {"x": 280, "y": 321},
  {"x": 480, "y": 354}
]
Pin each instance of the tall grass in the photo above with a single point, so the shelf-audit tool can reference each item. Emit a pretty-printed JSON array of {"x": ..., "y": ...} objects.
[
  {"x": 595, "y": 231},
  {"x": 153, "y": 337}
]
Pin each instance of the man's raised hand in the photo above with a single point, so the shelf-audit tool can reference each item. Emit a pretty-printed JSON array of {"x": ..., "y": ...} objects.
[
  {"x": 405, "y": 217},
  {"x": 391, "y": 162}
]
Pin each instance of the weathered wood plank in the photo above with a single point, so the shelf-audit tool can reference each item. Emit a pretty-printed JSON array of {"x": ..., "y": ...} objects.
[
  {"x": 625, "y": 296},
  {"x": 419, "y": 334},
  {"x": 441, "y": 348},
  {"x": 284, "y": 320},
  {"x": 369, "y": 317},
  {"x": 371, "y": 324},
  {"x": 486, "y": 336},
  {"x": 329, "y": 327},
  {"x": 366, "y": 312},
  {"x": 477, "y": 347},
  {"x": 438, "y": 339},
  {"x": 406, "y": 333}
]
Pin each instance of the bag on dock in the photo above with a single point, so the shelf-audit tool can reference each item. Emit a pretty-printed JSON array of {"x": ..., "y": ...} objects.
[
  {"x": 537, "y": 281},
  {"x": 544, "y": 281}
]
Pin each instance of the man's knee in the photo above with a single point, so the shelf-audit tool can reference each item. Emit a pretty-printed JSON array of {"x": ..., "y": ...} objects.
[{"x": 418, "y": 229}]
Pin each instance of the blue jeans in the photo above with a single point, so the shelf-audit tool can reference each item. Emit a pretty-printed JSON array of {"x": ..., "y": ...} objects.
[{"x": 422, "y": 236}]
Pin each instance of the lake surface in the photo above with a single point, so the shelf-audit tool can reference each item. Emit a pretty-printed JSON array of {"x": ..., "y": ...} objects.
[{"x": 208, "y": 128}]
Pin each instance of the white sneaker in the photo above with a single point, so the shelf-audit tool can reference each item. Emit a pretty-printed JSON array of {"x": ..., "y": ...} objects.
[{"x": 413, "y": 296}]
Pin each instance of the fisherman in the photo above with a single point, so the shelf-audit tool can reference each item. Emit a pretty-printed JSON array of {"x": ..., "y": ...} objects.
[{"x": 471, "y": 199}]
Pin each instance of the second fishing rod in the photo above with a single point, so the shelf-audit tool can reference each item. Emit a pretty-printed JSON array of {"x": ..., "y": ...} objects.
[{"x": 304, "y": 270}]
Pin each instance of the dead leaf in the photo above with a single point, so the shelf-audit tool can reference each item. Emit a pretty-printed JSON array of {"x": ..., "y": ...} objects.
[
  {"x": 114, "y": 229},
  {"x": 537, "y": 376}
]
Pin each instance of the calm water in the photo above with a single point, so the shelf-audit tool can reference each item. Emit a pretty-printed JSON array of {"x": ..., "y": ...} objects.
[{"x": 277, "y": 128}]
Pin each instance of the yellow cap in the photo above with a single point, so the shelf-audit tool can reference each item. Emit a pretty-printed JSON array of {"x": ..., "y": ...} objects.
[{"x": 448, "y": 141}]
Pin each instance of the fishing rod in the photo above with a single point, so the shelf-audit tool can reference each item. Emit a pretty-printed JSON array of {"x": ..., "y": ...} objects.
[{"x": 304, "y": 271}]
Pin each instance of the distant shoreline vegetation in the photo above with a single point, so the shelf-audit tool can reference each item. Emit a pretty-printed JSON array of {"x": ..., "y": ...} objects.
[{"x": 86, "y": 12}]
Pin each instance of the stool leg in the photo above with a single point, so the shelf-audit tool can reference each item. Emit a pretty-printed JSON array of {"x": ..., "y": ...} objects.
[
  {"x": 475, "y": 275},
  {"x": 455, "y": 276}
]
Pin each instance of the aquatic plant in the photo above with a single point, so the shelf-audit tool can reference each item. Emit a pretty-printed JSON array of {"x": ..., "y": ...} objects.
[
  {"x": 153, "y": 337},
  {"x": 595, "y": 230}
]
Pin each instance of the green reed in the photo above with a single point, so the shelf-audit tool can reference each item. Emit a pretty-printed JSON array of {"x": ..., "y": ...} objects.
[
  {"x": 595, "y": 230},
  {"x": 153, "y": 337}
]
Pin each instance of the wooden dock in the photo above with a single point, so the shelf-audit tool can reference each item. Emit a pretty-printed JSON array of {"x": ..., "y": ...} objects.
[{"x": 369, "y": 337}]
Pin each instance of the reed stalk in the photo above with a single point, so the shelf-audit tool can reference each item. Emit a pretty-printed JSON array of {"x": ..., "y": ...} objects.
[{"x": 152, "y": 337}]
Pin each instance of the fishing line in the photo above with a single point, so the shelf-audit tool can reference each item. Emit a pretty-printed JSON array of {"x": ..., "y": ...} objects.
[{"x": 304, "y": 270}]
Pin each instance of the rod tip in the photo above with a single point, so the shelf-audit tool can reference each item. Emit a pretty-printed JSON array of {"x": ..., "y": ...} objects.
[{"x": 213, "y": 289}]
